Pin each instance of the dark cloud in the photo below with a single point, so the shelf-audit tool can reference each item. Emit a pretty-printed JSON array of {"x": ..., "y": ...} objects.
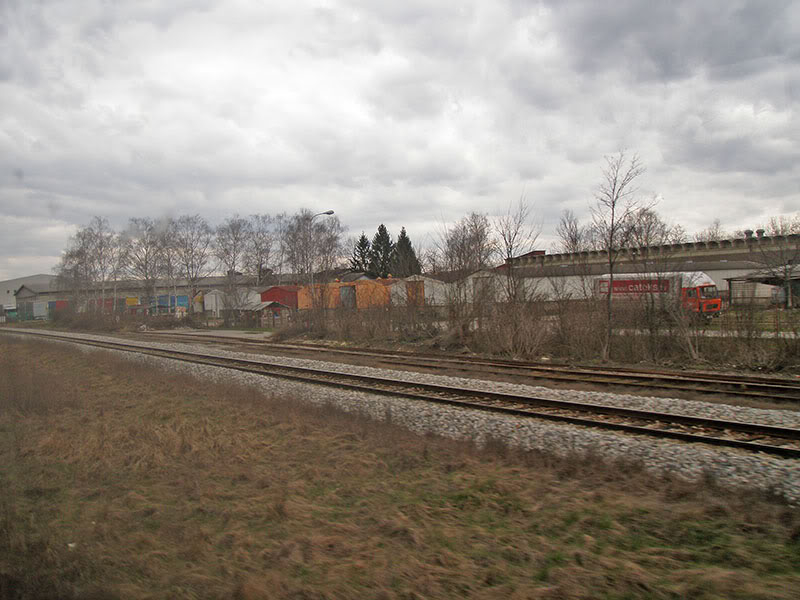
[
  {"x": 742, "y": 154},
  {"x": 673, "y": 40}
]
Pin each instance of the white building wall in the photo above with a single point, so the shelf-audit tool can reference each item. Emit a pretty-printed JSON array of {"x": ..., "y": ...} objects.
[
  {"x": 213, "y": 302},
  {"x": 252, "y": 298},
  {"x": 9, "y": 286},
  {"x": 397, "y": 293},
  {"x": 435, "y": 291}
]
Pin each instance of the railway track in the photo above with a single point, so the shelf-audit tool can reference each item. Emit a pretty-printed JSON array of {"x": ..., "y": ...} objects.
[
  {"x": 754, "y": 437},
  {"x": 745, "y": 386}
]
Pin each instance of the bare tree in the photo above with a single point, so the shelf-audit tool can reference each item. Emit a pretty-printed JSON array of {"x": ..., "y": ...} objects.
[
  {"x": 649, "y": 229},
  {"x": 280, "y": 223},
  {"x": 193, "y": 242},
  {"x": 429, "y": 256},
  {"x": 120, "y": 257},
  {"x": 516, "y": 235},
  {"x": 230, "y": 246},
  {"x": 75, "y": 271},
  {"x": 783, "y": 225},
  {"x": 171, "y": 262},
  {"x": 712, "y": 233},
  {"x": 329, "y": 250},
  {"x": 576, "y": 309},
  {"x": 467, "y": 246},
  {"x": 258, "y": 252},
  {"x": 312, "y": 245},
  {"x": 297, "y": 244},
  {"x": 779, "y": 253},
  {"x": 462, "y": 249},
  {"x": 103, "y": 255},
  {"x": 90, "y": 263},
  {"x": 515, "y": 231},
  {"x": 144, "y": 244},
  {"x": 655, "y": 311},
  {"x": 513, "y": 324},
  {"x": 573, "y": 237},
  {"x": 613, "y": 214}
]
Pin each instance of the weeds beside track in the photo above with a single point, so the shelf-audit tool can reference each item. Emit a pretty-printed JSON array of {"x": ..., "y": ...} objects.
[
  {"x": 754, "y": 387},
  {"x": 753, "y": 437}
]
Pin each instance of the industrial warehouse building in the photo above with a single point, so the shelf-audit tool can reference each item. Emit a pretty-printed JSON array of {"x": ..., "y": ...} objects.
[
  {"x": 752, "y": 269},
  {"x": 9, "y": 288}
]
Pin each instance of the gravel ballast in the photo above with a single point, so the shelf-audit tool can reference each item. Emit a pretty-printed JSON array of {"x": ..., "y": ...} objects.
[{"x": 730, "y": 467}]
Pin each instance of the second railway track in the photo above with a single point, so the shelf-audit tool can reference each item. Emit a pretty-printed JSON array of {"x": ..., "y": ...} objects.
[
  {"x": 754, "y": 437},
  {"x": 745, "y": 386}
]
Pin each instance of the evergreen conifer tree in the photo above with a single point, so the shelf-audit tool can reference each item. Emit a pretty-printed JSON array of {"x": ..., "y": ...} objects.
[
  {"x": 382, "y": 253},
  {"x": 359, "y": 261},
  {"x": 405, "y": 258}
]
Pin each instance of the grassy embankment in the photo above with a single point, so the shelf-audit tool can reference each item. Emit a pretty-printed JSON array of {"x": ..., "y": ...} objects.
[{"x": 121, "y": 482}]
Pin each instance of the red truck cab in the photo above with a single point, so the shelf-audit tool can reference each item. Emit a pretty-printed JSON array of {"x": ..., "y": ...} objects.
[
  {"x": 702, "y": 299},
  {"x": 695, "y": 290}
]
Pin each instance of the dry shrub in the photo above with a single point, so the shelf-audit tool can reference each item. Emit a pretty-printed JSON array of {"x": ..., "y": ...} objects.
[
  {"x": 22, "y": 387},
  {"x": 295, "y": 330},
  {"x": 89, "y": 321},
  {"x": 577, "y": 329},
  {"x": 757, "y": 338},
  {"x": 366, "y": 324},
  {"x": 518, "y": 329}
]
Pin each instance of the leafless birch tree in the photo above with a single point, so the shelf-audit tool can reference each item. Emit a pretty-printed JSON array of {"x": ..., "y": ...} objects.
[
  {"x": 312, "y": 244},
  {"x": 779, "y": 254},
  {"x": 613, "y": 213},
  {"x": 74, "y": 271},
  {"x": 193, "y": 240},
  {"x": 516, "y": 234},
  {"x": 462, "y": 249},
  {"x": 258, "y": 251},
  {"x": 230, "y": 246},
  {"x": 712, "y": 233},
  {"x": 572, "y": 236},
  {"x": 144, "y": 245}
]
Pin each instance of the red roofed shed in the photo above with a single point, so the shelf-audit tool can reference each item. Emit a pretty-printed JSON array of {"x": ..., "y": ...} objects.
[{"x": 285, "y": 294}]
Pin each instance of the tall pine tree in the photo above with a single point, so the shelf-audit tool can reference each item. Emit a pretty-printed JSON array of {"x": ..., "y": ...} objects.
[
  {"x": 359, "y": 261},
  {"x": 381, "y": 255},
  {"x": 405, "y": 258}
]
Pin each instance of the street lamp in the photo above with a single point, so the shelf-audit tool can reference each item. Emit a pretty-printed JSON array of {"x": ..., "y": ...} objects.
[{"x": 311, "y": 264}]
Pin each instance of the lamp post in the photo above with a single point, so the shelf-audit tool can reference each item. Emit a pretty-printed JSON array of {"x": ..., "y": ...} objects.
[{"x": 311, "y": 262}]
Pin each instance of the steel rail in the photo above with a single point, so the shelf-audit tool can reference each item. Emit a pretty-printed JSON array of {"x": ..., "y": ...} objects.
[
  {"x": 527, "y": 364},
  {"x": 483, "y": 400},
  {"x": 762, "y": 388}
]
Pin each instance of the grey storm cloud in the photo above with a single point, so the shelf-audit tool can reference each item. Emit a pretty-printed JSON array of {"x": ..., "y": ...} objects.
[
  {"x": 664, "y": 41},
  {"x": 411, "y": 113}
]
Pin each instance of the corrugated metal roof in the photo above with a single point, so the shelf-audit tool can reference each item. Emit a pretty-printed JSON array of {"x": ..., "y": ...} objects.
[
  {"x": 36, "y": 288},
  {"x": 288, "y": 288},
  {"x": 354, "y": 276},
  {"x": 270, "y": 304},
  {"x": 770, "y": 276},
  {"x": 632, "y": 268}
]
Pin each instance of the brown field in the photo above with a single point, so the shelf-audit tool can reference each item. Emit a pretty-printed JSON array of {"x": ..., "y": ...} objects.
[{"x": 120, "y": 481}]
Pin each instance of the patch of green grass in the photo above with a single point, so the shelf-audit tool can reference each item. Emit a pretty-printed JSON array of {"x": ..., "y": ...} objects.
[{"x": 552, "y": 559}]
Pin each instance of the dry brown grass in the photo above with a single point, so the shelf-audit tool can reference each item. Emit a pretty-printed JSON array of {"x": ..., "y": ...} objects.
[{"x": 120, "y": 481}]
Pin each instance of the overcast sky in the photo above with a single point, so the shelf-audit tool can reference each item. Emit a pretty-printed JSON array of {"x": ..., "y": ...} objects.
[{"x": 409, "y": 113}]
